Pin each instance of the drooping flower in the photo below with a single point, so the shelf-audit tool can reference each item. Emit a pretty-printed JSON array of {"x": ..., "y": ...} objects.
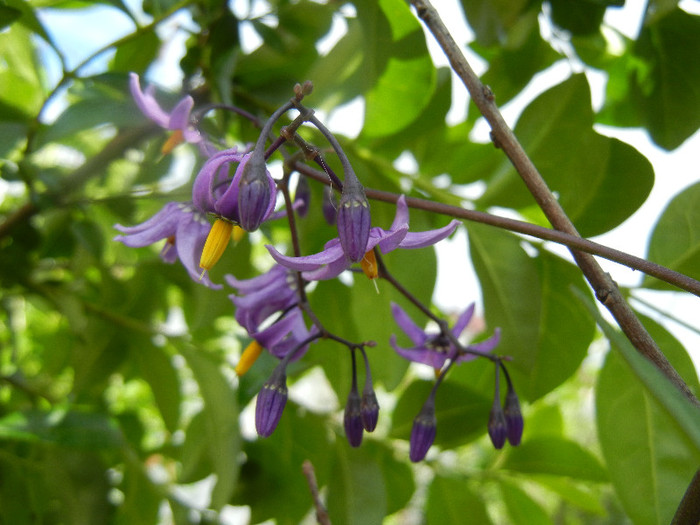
[
  {"x": 353, "y": 219},
  {"x": 497, "y": 426},
  {"x": 178, "y": 120},
  {"x": 434, "y": 349},
  {"x": 332, "y": 261},
  {"x": 184, "y": 228},
  {"x": 285, "y": 335},
  {"x": 352, "y": 418},
  {"x": 513, "y": 416}
]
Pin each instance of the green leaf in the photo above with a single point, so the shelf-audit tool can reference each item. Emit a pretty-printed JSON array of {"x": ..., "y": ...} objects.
[
  {"x": 68, "y": 428},
  {"x": 221, "y": 416},
  {"x": 675, "y": 241},
  {"x": 157, "y": 369},
  {"x": 8, "y": 15},
  {"x": 492, "y": 20},
  {"x": 557, "y": 456},
  {"x": 451, "y": 501},
  {"x": 407, "y": 83},
  {"x": 650, "y": 460},
  {"x": 600, "y": 181},
  {"x": 136, "y": 54},
  {"x": 521, "y": 507},
  {"x": 579, "y": 17},
  {"x": 543, "y": 329},
  {"x": 462, "y": 414}
]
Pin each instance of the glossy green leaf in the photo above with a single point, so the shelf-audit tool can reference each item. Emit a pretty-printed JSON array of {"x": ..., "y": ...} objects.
[
  {"x": 157, "y": 369},
  {"x": 557, "y": 456},
  {"x": 462, "y": 414},
  {"x": 68, "y": 428},
  {"x": 492, "y": 20},
  {"x": 406, "y": 86},
  {"x": 221, "y": 415},
  {"x": 521, "y": 507},
  {"x": 543, "y": 328},
  {"x": 600, "y": 181},
  {"x": 136, "y": 54},
  {"x": 452, "y": 500},
  {"x": 650, "y": 460},
  {"x": 675, "y": 241}
]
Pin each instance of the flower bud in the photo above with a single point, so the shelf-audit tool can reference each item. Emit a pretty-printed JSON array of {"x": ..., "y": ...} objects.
[
  {"x": 369, "y": 408},
  {"x": 423, "y": 431},
  {"x": 303, "y": 195},
  {"x": 514, "y": 419},
  {"x": 330, "y": 205},
  {"x": 271, "y": 401},
  {"x": 255, "y": 196},
  {"x": 497, "y": 425},
  {"x": 353, "y": 418},
  {"x": 353, "y": 220}
]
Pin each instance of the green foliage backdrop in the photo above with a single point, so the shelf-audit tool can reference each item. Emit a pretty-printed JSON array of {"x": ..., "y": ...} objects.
[{"x": 118, "y": 400}]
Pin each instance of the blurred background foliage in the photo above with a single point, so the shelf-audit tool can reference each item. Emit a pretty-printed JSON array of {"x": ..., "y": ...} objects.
[{"x": 118, "y": 403}]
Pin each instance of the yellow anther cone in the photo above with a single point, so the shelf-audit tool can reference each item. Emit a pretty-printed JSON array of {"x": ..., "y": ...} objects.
[
  {"x": 217, "y": 240},
  {"x": 249, "y": 356}
]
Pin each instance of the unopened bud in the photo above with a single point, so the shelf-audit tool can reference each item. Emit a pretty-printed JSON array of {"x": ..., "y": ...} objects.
[
  {"x": 353, "y": 418},
  {"x": 271, "y": 401},
  {"x": 353, "y": 220},
  {"x": 423, "y": 431}
]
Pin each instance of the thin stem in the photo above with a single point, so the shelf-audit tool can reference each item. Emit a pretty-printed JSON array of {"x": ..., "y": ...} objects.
[
  {"x": 321, "y": 513},
  {"x": 572, "y": 241}
]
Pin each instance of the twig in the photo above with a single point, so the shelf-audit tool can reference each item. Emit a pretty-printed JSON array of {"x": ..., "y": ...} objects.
[
  {"x": 605, "y": 288},
  {"x": 321, "y": 512}
]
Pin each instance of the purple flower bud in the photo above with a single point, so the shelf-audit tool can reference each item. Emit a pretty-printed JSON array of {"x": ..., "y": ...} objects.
[
  {"x": 271, "y": 401},
  {"x": 256, "y": 194},
  {"x": 497, "y": 425},
  {"x": 514, "y": 419},
  {"x": 369, "y": 408},
  {"x": 353, "y": 418},
  {"x": 353, "y": 220},
  {"x": 423, "y": 431},
  {"x": 303, "y": 196},
  {"x": 330, "y": 205}
]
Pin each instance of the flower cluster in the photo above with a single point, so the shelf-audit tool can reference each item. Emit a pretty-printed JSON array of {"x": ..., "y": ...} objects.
[{"x": 232, "y": 193}]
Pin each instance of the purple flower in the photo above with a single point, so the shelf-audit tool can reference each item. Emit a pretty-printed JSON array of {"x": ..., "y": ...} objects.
[
  {"x": 288, "y": 334},
  {"x": 332, "y": 261},
  {"x": 271, "y": 401},
  {"x": 435, "y": 349},
  {"x": 185, "y": 230},
  {"x": 214, "y": 192},
  {"x": 179, "y": 119},
  {"x": 424, "y": 430},
  {"x": 260, "y": 297},
  {"x": 353, "y": 220}
]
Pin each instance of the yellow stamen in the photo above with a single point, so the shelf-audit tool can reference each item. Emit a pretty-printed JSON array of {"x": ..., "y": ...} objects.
[
  {"x": 217, "y": 240},
  {"x": 237, "y": 233},
  {"x": 249, "y": 356},
  {"x": 369, "y": 265},
  {"x": 173, "y": 140}
]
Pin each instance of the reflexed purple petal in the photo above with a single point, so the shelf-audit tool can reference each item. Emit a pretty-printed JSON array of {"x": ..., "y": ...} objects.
[
  {"x": 423, "y": 431},
  {"x": 189, "y": 242},
  {"x": 329, "y": 271},
  {"x": 420, "y": 354},
  {"x": 307, "y": 262},
  {"x": 146, "y": 102},
  {"x": 180, "y": 115},
  {"x": 428, "y": 238},
  {"x": 488, "y": 344},
  {"x": 246, "y": 286},
  {"x": 463, "y": 321},
  {"x": 169, "y": 253},
  {"x": 389, "y": 240},
  {"x": 277, "y": 331},
  {"x": 204, "y": 195},
  {"x": 167, "y": 217},
  {"x": 412, "y": 330},
  {"x": 401, "y": 217}
]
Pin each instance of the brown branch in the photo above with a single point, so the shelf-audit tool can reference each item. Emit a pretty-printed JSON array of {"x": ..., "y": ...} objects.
[
  {"x": 605, "y": 288},
  {"x": 321, "y": 512},
  {"x": 572, "y": 241}
]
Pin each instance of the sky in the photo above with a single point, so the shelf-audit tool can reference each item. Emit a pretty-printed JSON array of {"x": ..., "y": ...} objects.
[{"x": 674, "y": 171}]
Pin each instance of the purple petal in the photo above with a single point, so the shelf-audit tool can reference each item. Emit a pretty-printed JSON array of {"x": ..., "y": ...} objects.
[
  {"x": 388, "y": 240},
  {"x": 180, "y": 115},
  {"x": 428, "y": 238},
  {"x": 412, "y": 330},
  {"x": 401, "y": 217},
  {"x": 484, "y": 346},
  {"x": 189, "y": 241},
  {"x": 162, "y": 225},
  {"x": 420, "y": 354},
  {"x": 308, "y": 262},
  {"x": 463, "y": 321},
  {"x": 329, "y": 271},
  {"x": 146, "y": 102},
  {"x": 250, "y": 285},
  {"x": 203, "y": 189}
]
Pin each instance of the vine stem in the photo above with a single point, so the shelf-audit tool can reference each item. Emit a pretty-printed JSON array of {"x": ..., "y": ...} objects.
[{"x": 605, "y": 288}]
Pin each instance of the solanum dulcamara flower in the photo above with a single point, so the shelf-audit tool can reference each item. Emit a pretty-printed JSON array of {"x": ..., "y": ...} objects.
[
  {"x": 179, "y": 120},
  {"x": 332, "y": 261},
  {"x": 184, "y": 228},
  {"x": 215, "y": 192},
  {"x": 434, "y": 349}
]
